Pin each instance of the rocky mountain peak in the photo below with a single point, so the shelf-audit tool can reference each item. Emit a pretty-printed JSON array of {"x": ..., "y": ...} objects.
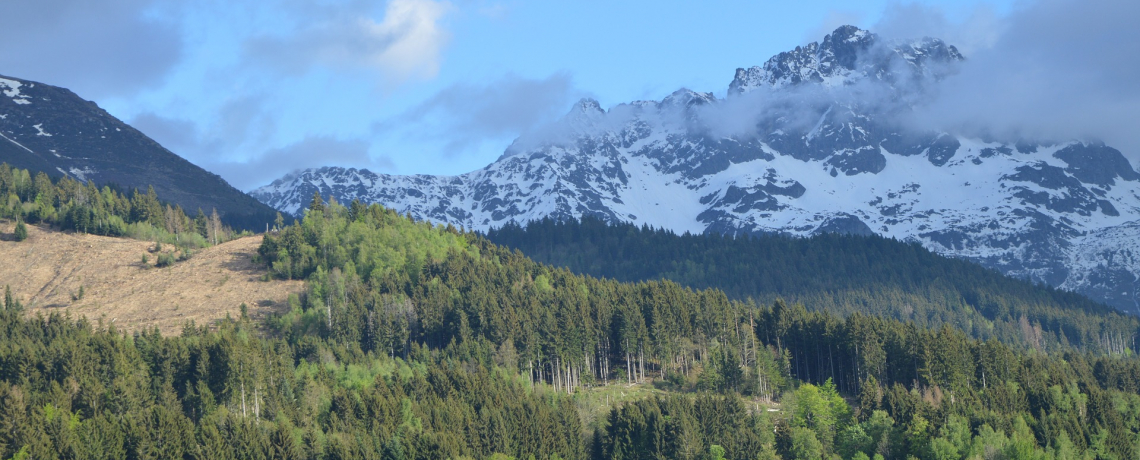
[
  {"x": 587, "y": 106},
  {"x": 845, "y": 56},
  {"x": 586, "y": 113},
  {"x": 843, "y": 47},
  {"x": 685, "y": 98}
]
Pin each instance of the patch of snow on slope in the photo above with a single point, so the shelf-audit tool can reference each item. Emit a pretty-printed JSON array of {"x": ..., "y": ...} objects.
[
  {"x": 82, "y": 174},
  {"x": 13, "y": 91},
  {"x": 657, "y": 199}
]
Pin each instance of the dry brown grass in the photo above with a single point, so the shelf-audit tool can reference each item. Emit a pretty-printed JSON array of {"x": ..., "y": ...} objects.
[{"x": 47, "y": 270}]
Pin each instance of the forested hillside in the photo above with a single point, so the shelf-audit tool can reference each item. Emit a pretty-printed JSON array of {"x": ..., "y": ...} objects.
[
  {"x": 841, "y": 274},
  {"x": 414, "y": 341}
]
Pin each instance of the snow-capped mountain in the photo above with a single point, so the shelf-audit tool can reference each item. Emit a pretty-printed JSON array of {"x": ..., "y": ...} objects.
[{"x": 809, "y": 142}]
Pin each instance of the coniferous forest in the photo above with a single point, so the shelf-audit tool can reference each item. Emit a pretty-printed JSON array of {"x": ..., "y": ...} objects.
[
  {"x": 420, "y": 341},
  {"x": 841, "y": 274}
]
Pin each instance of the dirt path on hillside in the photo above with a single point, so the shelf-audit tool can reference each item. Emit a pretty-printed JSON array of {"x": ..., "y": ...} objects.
[{"x": 47, "y": 270}]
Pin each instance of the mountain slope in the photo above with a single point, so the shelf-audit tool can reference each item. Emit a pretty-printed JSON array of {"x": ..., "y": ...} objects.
[
  {"x": 813, "y": 141},
  {"x": 50, "y": 129}
]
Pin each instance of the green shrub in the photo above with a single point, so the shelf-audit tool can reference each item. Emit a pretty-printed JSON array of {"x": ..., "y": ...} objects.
[{"x": 165, "y": 259}]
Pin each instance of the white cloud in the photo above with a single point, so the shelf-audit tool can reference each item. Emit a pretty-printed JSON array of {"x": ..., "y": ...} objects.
[
  {"x": 419, "y": 40},
  {"x": 406, "y": 43}
]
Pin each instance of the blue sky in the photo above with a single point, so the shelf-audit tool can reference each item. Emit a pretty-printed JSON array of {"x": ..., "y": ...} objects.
[{"x": 252, "y": 89}]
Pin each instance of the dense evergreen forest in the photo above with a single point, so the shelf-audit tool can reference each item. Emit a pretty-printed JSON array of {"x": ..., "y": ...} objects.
[
  {"x": 841, "y": 274},
  {"x": 67, "y": 204},
  {"x": 419, "y": 341}
]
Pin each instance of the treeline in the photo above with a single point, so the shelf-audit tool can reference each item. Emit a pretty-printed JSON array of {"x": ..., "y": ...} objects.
[
  {"x": 67, "y": 204},
  {"x": 841, "y": 274}
]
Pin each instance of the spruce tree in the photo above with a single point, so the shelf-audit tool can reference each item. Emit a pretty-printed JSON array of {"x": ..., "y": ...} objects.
[
  {"x": 201, "y": 224},
  {"x": 317, "y": 204},
  {"x": 21, "y": 233}
]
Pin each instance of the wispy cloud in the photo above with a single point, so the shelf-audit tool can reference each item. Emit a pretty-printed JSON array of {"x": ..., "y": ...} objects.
[
  {"x": 310, "y": 152},
  {"x": 979, "y": 30},
  {"x": 212, "y": 146},
  {"x": 463, "y": 116}
]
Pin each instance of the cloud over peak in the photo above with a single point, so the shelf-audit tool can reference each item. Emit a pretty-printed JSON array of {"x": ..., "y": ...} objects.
[{"x": 1057, "y": 70}]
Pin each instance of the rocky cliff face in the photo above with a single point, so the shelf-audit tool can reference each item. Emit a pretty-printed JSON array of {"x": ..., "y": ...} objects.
[{"x": 813, "y": 141}]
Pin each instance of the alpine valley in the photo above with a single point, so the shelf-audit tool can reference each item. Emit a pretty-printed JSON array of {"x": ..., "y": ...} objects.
[{"x": 813, "y": 141}]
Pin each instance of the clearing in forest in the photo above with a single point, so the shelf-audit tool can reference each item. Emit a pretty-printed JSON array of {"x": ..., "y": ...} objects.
[{"x": 48, "y": 270}]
